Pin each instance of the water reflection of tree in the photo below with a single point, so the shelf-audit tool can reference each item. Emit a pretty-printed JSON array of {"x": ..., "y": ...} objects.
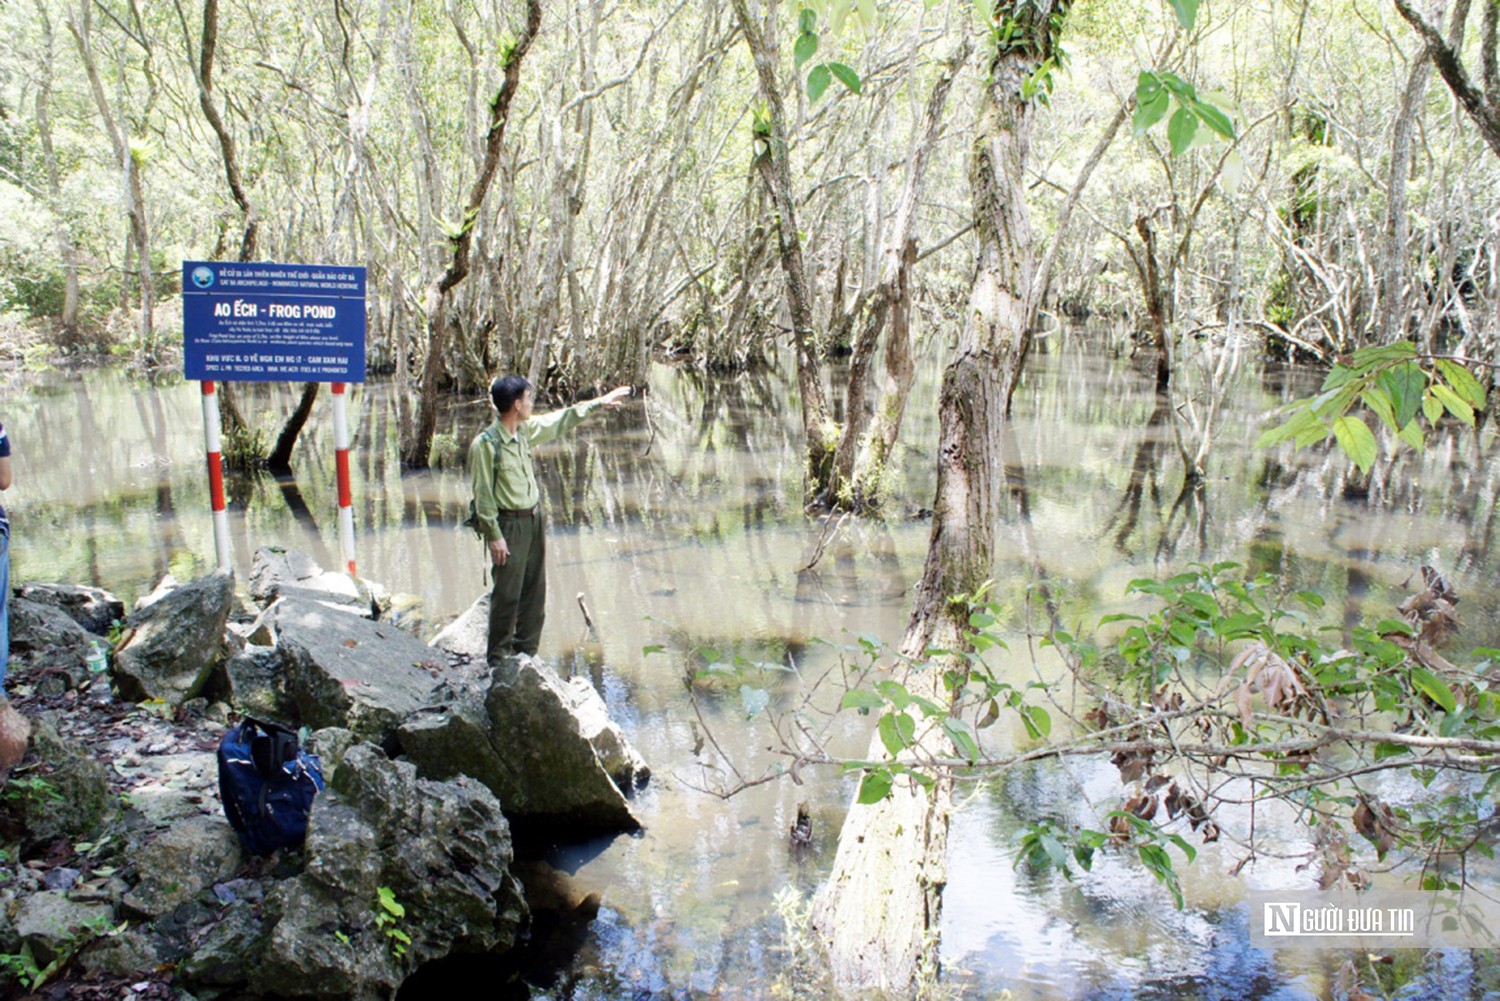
[
  {"x": 154, "y": 426},
  {"x": 1144, "y": 469}
]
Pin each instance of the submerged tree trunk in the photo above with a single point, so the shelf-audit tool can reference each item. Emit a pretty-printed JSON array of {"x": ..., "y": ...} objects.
[
  {"x": 230, "y": 418},
  {"x": 1156, "y": 302},
  {"x": 208, "y": 47},
  {"x": 281, "y": 455},
  {"x": 773, "y": 161},
  {"x": 417, "y": 447},
  {"x": 880, "y": 908},
  {"x": 887, "y": 309}
]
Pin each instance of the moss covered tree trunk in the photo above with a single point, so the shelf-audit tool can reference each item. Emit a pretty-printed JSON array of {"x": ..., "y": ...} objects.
[{"x": 880, "y": 909}]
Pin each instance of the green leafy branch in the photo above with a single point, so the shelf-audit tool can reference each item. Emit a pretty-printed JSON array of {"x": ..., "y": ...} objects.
[
  {"x": 1044, "y": 846},
  {"x": 1318, "y": 698},
  {"x": 1397, "y": 385},
  {"x": 971, "y": 687},
  {"x": 806, "y": 46},
  {"x": 1156, "y": 91}
]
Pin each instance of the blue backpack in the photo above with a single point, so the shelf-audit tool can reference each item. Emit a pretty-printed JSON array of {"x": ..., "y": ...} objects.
[{"x": 267, "y": 784}]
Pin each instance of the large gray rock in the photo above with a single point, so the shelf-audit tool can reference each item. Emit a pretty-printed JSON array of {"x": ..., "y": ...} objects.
[
  {"x": 95, "y": 609},
  {"x": 281, "y": 573},
  {"x": 342, "y": 670},
  {"x": 442, "y": 849},
  {"x": 45, "y": 638},
  {"x": 469, "y": 633},
  {"x": 329, "y": 745},
  {"x": 181, "y": 862},
  {"x": 51, "y": 924},
  {"x": 223, "y": 958},
  {"x": 254, "y": 682},
  {"x": 67, "y": 795},
  {"x": 545, "y": 747},
  {"x": 121, "y": 955},
  {"x": 173, "y": 644}
]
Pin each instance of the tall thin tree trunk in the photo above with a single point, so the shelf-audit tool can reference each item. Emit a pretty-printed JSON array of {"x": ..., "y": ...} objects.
[
  {"x": 1393, "y": 279},
  {"x": 774, "y": 165},
  {"x": 416, "y": 450},
  {"x": 67, "y": 246},
  {"x": 140, "y": 233},
  {"x": 881, "y": 907},
  {"x": 887, "y": 309},
  {"x": 81, "y": 28}
]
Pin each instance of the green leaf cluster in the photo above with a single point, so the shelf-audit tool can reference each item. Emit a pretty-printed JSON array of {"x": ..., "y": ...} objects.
[
  {"x": 1155, "y": 92},
  {"x": 1043, "y": 846},
  {"x": 806, "y": 46},
  {"x": 1018, "y": 26},
  {"x": 390, "y": 915},
  {"x": 1391, "y": 381}
]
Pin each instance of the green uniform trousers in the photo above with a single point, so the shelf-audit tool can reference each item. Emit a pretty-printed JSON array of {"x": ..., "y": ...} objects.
[{"x": 518, "y": 597}]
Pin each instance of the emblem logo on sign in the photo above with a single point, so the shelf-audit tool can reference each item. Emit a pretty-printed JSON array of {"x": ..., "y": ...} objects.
[{"x": 203, "y": 277}]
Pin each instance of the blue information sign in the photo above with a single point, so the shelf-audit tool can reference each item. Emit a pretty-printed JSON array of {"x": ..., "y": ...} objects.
[{"x": 265, "y": 322}]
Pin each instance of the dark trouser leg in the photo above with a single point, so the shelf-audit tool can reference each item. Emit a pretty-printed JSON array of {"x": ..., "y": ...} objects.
[
  {"x": 533, "y": 605},
  {"x": 509, "y": 581}
]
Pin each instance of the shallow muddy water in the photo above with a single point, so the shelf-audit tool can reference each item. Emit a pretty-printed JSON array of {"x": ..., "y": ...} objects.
[{"x": 678, "y": 520}]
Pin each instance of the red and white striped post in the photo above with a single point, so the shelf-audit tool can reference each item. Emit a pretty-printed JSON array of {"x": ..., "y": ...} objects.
[
  {"x": 215, "y": 474},
  {"x": 341, "y": 462}
]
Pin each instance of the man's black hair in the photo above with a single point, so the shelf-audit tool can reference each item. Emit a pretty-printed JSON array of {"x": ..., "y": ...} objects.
[{"x": 505, "y": 392}]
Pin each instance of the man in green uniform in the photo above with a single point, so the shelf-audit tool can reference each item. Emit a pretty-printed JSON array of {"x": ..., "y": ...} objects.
[{"x": 507, "y": 504}]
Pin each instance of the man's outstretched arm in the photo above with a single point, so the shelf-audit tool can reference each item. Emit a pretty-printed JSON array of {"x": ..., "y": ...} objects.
[{"x": 549, "y": 427}]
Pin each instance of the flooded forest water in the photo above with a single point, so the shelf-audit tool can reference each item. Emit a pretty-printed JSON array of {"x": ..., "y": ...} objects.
[{"x": 679, "y": 521}]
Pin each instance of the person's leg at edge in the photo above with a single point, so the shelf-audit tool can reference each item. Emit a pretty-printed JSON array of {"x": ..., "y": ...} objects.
[
  {"x": 505, "y": 593},
  {"x": 533, "y": 609},
  {"x": 4, "y": 609}
]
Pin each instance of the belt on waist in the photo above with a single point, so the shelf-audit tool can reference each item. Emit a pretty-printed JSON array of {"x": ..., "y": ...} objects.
[{"x": 524, "y": 512}]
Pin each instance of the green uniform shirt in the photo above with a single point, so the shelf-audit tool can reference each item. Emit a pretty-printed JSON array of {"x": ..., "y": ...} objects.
[{"x": 500, "y": 468}]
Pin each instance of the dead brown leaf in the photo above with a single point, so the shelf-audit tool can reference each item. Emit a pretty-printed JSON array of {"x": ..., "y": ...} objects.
[
  {"x": 1377, "y": 823},
  {"x": 1142, "y": 806},
  {"x": 1132, "y": 764},
  {"x": 1165, "y": 701},
  {"x": 1266, "y": 672},
  {"x": 1433, "y": 611}
]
